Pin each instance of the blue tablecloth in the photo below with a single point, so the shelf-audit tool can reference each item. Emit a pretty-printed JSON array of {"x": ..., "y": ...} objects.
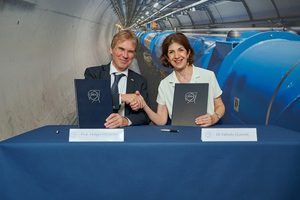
[{"x": 150, "y": 164}]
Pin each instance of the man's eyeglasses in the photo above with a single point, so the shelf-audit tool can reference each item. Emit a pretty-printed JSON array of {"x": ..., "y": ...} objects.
[{"x": 121, "y": 50}]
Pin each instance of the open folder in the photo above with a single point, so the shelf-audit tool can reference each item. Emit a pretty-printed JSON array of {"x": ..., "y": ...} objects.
[
  {"x": 94, "y": 102},
  {"x": 190, "y": 102}
]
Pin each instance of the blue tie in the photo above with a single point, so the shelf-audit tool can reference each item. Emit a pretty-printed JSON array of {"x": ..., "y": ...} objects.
[
  {"x": 115, "y": 91},
  {"x": 114, "y": 87}
]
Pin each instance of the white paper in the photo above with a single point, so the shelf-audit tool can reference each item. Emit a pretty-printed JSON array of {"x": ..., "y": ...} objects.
[
  {"x": 228, "y": 134},
  {"x": 96, "y": 135}
]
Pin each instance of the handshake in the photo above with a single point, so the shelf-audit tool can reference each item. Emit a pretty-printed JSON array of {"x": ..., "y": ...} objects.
[{"x": 136, "y": 100}]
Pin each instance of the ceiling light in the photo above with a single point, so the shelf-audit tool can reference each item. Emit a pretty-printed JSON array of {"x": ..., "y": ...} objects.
[{"x": 155, "y": 5}]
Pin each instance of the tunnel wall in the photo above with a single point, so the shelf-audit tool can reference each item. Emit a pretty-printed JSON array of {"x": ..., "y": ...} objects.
[{"x": 44, "y": 45}]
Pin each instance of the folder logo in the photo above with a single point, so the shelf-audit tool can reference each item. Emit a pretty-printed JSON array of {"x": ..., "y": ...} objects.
[
  {"x": 94, "y": 95},
  {"x": 190, "y": 97}
]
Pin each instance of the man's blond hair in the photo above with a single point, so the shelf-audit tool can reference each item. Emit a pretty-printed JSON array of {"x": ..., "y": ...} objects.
[{"x": 124, "y": 35}]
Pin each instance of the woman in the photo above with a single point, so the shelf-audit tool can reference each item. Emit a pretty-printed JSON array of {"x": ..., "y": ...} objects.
[{"x": 177, "y": 53}]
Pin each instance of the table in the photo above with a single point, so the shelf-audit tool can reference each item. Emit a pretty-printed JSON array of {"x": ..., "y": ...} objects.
[{"x": 150, "y": 164}]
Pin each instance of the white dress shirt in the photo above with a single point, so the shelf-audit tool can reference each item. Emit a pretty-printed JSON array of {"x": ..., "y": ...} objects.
[
  {"x": 122, "y": 85},
  {"x": 167, "y": 86}
]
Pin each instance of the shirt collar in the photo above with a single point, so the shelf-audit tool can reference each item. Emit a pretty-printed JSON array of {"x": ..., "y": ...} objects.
[
  {"x": 173, "y": 78},
  {"x": 114, "y": 70},
  {"x": 195, "y": 75}
]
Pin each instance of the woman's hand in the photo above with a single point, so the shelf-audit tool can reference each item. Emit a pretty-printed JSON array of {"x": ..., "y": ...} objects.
[{"x": 205, "y": 120}]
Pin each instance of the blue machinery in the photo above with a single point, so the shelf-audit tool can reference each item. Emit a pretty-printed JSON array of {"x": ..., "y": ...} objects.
[{"x": 259, "y": 73}]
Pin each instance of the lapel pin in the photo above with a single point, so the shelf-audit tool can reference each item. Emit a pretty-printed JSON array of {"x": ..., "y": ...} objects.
[{"x": 132, "y": 79}]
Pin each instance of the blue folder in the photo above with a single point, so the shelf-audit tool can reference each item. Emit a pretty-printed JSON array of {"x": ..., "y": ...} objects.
[
  {"x": 190, "y": 102},
  {"x": 94, "y": 102}
]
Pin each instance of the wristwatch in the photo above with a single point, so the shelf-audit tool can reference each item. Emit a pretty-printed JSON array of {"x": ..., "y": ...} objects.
[{"x": 218, "y": 115}]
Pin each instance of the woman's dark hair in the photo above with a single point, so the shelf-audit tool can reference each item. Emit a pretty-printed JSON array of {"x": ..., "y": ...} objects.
[{"x": 178, "y": 38}]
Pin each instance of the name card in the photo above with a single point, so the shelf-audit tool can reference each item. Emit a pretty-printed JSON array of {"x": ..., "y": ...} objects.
[
  {"x": 228, "y": 134},
  {"x": 96, "y": 135}
]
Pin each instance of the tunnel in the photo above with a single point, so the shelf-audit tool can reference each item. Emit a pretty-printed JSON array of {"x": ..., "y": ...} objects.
[{"x": 46, "y": 44}]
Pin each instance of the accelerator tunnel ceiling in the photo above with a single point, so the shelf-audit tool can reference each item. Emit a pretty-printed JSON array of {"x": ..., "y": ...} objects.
[{"x": 211, "y": 15}]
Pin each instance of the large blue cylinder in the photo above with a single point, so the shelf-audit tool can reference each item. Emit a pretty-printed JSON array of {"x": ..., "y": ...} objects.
[
  {"x": 210, "y": 51},
  {"x": 258, "y": 73},
  {"x": 203, "y": 46},
  {"x": 139, "y": 35},
  {"x": 155, "y": 47},
  {"x": 260, "y": 81},
  {"x": 147, "y": 39}
]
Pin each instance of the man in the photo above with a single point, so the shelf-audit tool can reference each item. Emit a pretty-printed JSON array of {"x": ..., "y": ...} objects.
[{"x": 123, "y": 49}]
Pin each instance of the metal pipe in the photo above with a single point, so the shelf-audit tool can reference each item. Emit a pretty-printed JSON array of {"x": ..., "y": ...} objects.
[{"x": 295, "y": 28}]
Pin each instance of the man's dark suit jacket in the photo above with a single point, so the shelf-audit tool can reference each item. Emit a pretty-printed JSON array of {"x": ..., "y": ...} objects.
[{"x": 134, "y": 82}]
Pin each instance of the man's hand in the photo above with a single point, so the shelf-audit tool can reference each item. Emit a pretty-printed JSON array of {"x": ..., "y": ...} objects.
[
  {"x": 136, "y": 101},
  {"x": 115, "y": 120},
  {"x": 127, "y": 98}
]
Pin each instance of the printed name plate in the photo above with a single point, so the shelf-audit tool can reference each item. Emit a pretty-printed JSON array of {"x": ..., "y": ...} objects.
[
  {"x": 96, "y": 135},
  {"x": 228, "y": 134}
]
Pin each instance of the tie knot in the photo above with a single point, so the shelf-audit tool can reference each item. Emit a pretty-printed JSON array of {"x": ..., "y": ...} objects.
[{"x": 118, "y": 77}]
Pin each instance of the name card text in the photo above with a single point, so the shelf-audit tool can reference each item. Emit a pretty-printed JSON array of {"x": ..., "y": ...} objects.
[
  {"x": 96, "y": 135},
  {"x": 228, "y": 134}
]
